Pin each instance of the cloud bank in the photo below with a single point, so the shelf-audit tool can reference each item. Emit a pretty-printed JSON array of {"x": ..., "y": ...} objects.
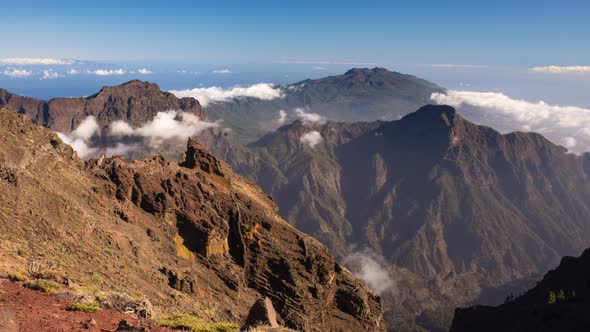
[
  {"x": 568, "y": 125},
  {"x": 13, "y": 72},
  {"x": 309, "y": 118},
  {"x": 206, "y": 96},
  {"x": 107, "y": 72},
  {"x": 561, "y": 69},
  {"x": 282, "y": 119},
  {"x": 79, "y": 139},
  {"x": 36, "y": 61},
  {"x": 370, "y": 267},
  {"x": 312, "y": 139},
  {"x": 49, "y": 74},
  {"x": 169, "y": 127},
  {"x": 144, "y": 71},
  {"x": 222, "y": 71}
]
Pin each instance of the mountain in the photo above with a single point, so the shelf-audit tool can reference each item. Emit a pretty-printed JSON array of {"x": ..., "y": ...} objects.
[
  {"x": 559, "y": 302},
  {"x": 136, "y": 102},
  {"x": 360, "y": 94},
  {"x": 184, "y": 237},
  {"x": 456, "y": 210}
]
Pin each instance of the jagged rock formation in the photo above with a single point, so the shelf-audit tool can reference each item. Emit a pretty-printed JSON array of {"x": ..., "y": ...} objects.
[
  {"x": 135, "y": 102},
  {"x": 192, "y": 236},
  {"x": 560, "y": 302},
  {"x": 457, "y": 209}
]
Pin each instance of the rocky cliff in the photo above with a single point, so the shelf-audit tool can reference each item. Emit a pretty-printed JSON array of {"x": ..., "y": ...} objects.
[{"x": 191, "y": 236}]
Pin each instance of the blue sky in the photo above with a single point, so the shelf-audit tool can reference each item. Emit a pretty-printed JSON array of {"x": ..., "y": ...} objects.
[
  {"x": 503, "y": 32},
  {"x": 182, "y": 43}
]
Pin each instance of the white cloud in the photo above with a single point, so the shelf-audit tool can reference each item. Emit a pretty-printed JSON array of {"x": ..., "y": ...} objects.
[
  {"x": 35, "y": 61},
  {"x": 79, "y": 139},
  {"x": 319, "y": 68},
  {"x": 49, "y": 74},
  {"x": 169, "y": 126},
  {"x": 222, "y": 71},
  {"x": 205, "y": 96},
  {"x": 73, "y": 71},
  {"x": 121, "y": 149},
  {"x": 569, "y": 142},
  {"x": 13, "y": 72},
  {"x": 370, "y": 267},
  {"x": 107, "y": 72},
  {"x": 449, "y": 65},
  {"x": 309, "y": 118},
  {"x": 561, "y": 69},
  {"x": 313, "y": 138},
  {"x": 144, "y": 71},
  {"x": 282, "y": 119},
  {"x": 506, "y": 114}
]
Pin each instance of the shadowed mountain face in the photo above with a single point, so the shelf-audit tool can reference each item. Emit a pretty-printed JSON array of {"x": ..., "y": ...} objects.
[
  {"x": 457, "y": 208},
  {"x": 360, "y": 94},
  {"x": 192, "y": 236},
  {"x": 560, "y": 302}
]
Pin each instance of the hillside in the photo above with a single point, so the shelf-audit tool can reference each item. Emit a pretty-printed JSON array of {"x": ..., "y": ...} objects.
[
  {"x": 456, "y": 210},
  {"x": 559, "y": 302},
  {"x": 189, "y": 237}
]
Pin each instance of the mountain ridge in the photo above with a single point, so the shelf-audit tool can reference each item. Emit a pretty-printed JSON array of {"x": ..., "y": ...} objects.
[{"x": 191, "y": 236}]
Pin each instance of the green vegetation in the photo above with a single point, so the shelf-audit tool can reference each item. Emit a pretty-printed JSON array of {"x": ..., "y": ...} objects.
[
  {"x": 85, "y": 307},
  {"x": 551, "y": 298},
  {"x": 559, "y": 296},
  {"x": 16, "y": 276},
  {"x": 56, "y": 142},
  {"x": 46, "y": 286},
  {"x": 187, "y": 322}
]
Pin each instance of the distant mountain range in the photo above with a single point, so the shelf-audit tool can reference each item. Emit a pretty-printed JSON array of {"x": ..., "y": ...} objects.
[
  {"x": 360, "y": 94},
  {"x": 453, "y": 212}
]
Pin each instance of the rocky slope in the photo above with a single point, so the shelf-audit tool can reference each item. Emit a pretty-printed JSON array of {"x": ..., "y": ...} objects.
[
  {"x": 457, "y": 210},
  {"x": 559, "y": 302},
  {"x": 360, "y": 94},
  {"x": 191, "y": 236}
]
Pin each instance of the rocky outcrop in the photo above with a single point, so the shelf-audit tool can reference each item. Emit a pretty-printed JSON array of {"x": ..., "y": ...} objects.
[
  {"x": 192, "y": 237},
  {"x": 136, "y": 102},
  {"x": 262, "y": 313}
]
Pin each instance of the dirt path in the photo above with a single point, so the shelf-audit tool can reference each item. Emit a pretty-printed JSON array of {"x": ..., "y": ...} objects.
[{"x": 25, "y": 310}]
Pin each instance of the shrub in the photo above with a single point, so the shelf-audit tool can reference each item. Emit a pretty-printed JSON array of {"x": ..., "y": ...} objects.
[
  {"x": 17, "y": 276},
  {"x": 85, "y": 307},
  {"x": 142, "y": 307},
  {"x": 551, "y": 298},
  {"x": 46, "y": 286},
  {"x": 187, "y": 322}
]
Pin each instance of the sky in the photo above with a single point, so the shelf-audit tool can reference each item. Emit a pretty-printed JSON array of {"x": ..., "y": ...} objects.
[
  {"x": 528, "y": 33},
  {"x": 532, "y": 51}
]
